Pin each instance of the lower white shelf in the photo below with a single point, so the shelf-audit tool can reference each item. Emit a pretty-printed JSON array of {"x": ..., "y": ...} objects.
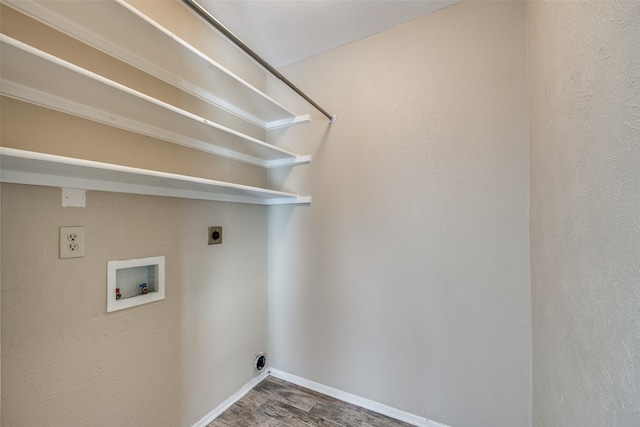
[{"x": 28, "y": 167}]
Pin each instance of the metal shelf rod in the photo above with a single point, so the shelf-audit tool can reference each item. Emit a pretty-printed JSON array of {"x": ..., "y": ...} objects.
[{"x": 204, "y": 14}]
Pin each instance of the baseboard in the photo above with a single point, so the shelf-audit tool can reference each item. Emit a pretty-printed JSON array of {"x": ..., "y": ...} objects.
[
  {"x": 356, "y": 400},
  {"x": 215, "y": 413}
]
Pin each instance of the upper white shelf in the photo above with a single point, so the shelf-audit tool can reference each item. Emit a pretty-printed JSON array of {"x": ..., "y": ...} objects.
[
  {"x": 122, "y": 31},
  {"x": 27, "y": 167},
  {"x": 35, "y": 76}
]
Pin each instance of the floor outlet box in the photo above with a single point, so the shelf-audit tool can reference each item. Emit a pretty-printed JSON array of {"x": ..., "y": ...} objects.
[{"x": 72, "y": 242}]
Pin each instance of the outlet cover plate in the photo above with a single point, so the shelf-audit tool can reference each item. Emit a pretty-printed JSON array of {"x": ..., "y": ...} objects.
[
  {"x": 215, "y": 235},
  {"x": 72, "y": 242}
]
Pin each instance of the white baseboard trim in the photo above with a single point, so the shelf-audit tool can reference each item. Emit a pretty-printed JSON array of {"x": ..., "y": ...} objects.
[
  {"x": 356, "y": 400},
  {"x": 215, "y": 413}
]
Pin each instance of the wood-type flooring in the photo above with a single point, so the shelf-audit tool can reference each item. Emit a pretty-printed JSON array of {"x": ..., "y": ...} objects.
[{"x": 277, "y": 403}]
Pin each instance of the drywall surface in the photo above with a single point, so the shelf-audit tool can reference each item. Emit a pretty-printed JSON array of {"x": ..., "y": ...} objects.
[
  {"x": 406, "y": 281},
  {"x": 584, "y": 67},
  {"x": 67, "y": 362}
]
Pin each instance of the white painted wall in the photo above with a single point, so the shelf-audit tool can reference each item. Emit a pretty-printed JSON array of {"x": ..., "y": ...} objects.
[
  {"x": 584, "y": 65},
  {"x": 406, "y": 281},
  {"x": 65, "y": 360}
]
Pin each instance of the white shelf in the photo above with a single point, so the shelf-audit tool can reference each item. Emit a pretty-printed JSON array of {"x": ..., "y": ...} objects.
[
  {"x": 26, "y": 167},
  {"x": 35, "y": 76},
  {"x": 120, "y": 30}
]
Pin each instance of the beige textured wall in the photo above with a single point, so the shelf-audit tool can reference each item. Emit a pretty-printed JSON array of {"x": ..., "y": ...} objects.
[
  {"x": 584, "y": 67},
  {"x": 65, "y": 361},
  {"x": 406, "y": 281}
]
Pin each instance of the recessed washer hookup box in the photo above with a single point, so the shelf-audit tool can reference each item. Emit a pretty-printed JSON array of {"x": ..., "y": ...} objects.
[{"x": 134, "y": 282}]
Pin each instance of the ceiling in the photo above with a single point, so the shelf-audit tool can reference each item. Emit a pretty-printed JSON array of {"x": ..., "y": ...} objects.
[{"x": 286, "y": 31}]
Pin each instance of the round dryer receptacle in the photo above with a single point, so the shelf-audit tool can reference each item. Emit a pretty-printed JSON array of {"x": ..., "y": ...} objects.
[{"x": 260, "y": 362}]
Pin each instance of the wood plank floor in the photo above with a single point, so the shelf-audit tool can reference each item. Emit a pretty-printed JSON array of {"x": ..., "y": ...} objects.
[{"x": 277, "y": 403}]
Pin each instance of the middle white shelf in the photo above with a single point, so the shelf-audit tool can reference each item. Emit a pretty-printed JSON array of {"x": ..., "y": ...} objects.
[{"x": 34, "y": 76}]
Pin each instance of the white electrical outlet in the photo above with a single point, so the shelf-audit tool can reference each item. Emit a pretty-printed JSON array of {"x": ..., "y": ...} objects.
[{"x": 71, "y": 242}]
